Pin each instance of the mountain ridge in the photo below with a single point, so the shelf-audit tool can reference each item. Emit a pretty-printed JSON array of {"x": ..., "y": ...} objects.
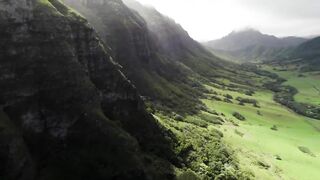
[
  {"x": 253, "y": 46},
  {"x": 67, "y": 111},
  {"x": 238, "y": 40},
  {"x": 306, "y": 56}
]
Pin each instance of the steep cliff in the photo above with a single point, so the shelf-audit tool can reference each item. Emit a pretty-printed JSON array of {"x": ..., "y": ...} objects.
[
  {"x": 155, "y": 73},
  {"x": 67, "y": 111},
  {"x": 171, "y": 37},
  {"x": 174, "y": 42}
]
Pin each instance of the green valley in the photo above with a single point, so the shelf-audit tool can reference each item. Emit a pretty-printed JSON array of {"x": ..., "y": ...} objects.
[
  {"x": 272, "y": 153},
  {"x": 116, "y": 90},
  {"x": 307, "y": 83},
  {"x": 270, "y": 142}
]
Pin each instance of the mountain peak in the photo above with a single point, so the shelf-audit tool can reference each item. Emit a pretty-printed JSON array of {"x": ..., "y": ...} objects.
[
  {"x": 249, "y": 37},
  {"x": 246, "y": 30}
]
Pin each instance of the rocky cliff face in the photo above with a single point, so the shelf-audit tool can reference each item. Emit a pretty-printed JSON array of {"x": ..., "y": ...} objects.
[
  {"x": 67, "y": 111},
  {"x": 169, "y": 35},
  {"x": 174, "y": 42},
  {"x": 153, "y": 71}
]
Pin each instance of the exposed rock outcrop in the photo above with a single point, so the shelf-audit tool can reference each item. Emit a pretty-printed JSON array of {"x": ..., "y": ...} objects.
[
  {"x": 60, "y": 91},
  {"x": 154, "y": 72}
]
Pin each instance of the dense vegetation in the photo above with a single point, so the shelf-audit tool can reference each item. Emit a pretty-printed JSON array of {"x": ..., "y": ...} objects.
[
  {"x": 66, "y": 111},
  {"x": 284, "y": 95},
  {"x": 122, "y": 92}
]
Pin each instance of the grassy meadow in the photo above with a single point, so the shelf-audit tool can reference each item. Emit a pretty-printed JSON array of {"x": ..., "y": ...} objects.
[
  {"x": 273, "y": 142},
  {"x": 307, "y": 84},
  {"x": 264, "y": 139}
]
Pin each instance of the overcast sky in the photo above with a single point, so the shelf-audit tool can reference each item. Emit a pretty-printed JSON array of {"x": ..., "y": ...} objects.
[{"x": 212, "y": 19}]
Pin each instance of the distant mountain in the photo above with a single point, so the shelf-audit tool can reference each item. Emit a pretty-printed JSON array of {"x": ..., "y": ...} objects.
[
  {"x": 252, "y": 45},
  {"x": 308, "y": 54},
  {"x": 238, "y": 40},
  {"x": 255, "y": 54},
  {"x": 311, "y": 47}
]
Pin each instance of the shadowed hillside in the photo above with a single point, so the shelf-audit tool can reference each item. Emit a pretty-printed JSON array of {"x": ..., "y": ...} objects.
[
  {"x": 112, "y": 89},
  {"x": 157, "y": 55},
  {"x": 67, "y": 112},
  {"x": 308, "y": 54}
]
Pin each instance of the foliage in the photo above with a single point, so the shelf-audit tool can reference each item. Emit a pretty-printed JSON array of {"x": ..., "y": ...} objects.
[
  {"x": 274, "y": 128},
  {"x": 239, "y": 116},
  {"x": 306, "y": 150}
]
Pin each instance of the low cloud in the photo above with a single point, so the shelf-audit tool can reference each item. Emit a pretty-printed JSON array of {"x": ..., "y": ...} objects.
[{"x": 212, "y": 19}]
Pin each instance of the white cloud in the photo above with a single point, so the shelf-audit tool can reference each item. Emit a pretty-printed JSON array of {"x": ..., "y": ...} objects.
[{"x": 212, "y": 19}]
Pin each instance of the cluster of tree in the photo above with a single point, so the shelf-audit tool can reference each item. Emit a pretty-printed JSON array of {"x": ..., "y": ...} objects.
[
  {"x": 243, "y": 101},
  {"x": 239, "y": 116},
  {"x": 285, "y": 96}
]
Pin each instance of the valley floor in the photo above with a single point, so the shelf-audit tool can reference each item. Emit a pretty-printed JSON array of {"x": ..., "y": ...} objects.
[
  {"x": 307, "y": 83},
  {"x": 272, "y": 142}
]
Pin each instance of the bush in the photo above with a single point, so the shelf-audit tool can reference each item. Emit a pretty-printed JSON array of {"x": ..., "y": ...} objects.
[
  {"x": 239, "y": 116},
  {"x": 306, "y": 150},
  {"x": 216, "y": 98},
  {"x": 178, "y": 117},
  {"x": 263, "y": 165},
  {"x": 227, "y": 100},
  {"x": 247, "y": 100},
  {"x": 188, "y": 175},
  {"x": 228, "y": 96},
  {"x": 249, "y": 93},
  {"x": 274, "y": 127},
  {"x": 259, "y": 113},
  {"x": 278, "y": 157},
  {"x": 239, "y": 133},
  {"x": 196, "y": 121},
  {"x": 256, "y": 105}
]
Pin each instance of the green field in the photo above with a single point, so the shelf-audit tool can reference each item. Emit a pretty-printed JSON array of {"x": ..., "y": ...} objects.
[
  {"x": 308, "y": 84},
  {"x": 257, "y": 146},
  {"x": 273, "y": 142}
]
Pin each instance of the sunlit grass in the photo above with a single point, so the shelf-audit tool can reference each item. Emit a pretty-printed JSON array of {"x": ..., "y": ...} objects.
[
  {"x": 307, "y": 84},
  {"x": 260, "y": 144}
]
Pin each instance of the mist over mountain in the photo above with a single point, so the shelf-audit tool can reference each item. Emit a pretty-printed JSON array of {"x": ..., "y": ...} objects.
[
  {"x": 172, "y": 38},
  {"x": 155, "y": 53},
  {"x": 243, "y": 39},
  {"x": 112, "y": 89},
  {"x": 251, "y": 45}
]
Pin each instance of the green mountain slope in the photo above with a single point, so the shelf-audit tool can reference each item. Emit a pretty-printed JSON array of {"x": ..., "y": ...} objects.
[
  {"x": 67, "y": 112},
  {"x": 193, "y": 65},
  {"x": 305, "y": 57},
  {"x": 160, "y": 58},
  {"x": 308, "y": 54},
  {"x": 123, "y": 92},
  {"x": 161, "y": 79},
  {"x": 253, "y": 46}
]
